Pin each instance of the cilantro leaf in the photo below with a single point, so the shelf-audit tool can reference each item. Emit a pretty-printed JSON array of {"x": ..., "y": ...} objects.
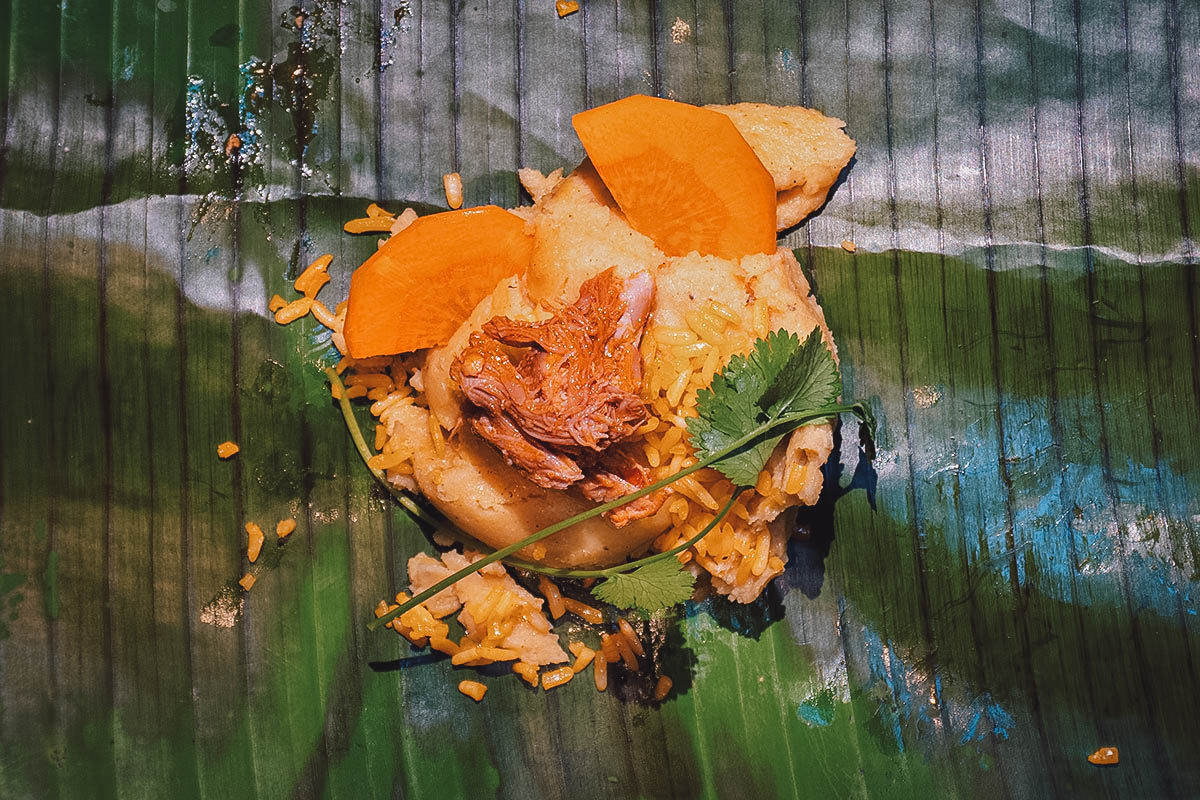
[
  {"x": 651, "y": 587},
  {"x": 808, "y": 380},
  {"x": 779, "y": 376}
]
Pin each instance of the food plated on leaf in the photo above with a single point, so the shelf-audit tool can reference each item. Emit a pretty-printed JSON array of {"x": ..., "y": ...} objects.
[{"x": 623, "y": 388}]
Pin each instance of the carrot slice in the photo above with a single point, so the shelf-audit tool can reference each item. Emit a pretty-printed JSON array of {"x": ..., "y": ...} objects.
[
  {"x": 417, "y": 289},
  {"x": 682, "y": 175}
]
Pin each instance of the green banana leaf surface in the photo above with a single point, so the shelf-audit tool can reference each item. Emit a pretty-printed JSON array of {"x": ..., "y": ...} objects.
[{"x": 1012, "y": 583}]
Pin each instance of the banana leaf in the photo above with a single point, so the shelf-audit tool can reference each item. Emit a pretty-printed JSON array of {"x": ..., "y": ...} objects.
[{"x": 1010, "y": 585}]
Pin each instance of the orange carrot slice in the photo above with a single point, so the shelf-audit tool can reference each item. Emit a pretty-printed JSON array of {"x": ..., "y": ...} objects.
[
  {"x": 682, "y": 175},
  {"x": 417, "y": 289}
]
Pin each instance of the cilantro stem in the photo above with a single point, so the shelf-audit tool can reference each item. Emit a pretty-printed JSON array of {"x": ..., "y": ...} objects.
[
  {"x": 630, "y": 566},
  {"x": 364, "y": 451},
  {"x": 767, "y": 429}
]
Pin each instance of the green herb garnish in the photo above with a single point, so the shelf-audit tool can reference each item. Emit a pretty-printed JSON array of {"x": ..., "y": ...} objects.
[
  {"x": 650, "y": 587},
  {"x": 753, "y": 402},
  {"x": 780, "y": 376}
]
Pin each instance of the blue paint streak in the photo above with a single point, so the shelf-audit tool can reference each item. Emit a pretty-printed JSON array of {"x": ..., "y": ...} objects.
[
  {"x": 988, "y": 717},
  {"x": 1054, "y": 508},
  {"x": 815, "y": 716},
  {"x": 903, "y": 695}
]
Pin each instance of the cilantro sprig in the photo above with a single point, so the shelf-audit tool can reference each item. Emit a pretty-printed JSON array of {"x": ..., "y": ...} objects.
[
  {"x": 780, "y": 376},
  {"x": 650, "y": 587},
  {"x": 757, "y": 399}
]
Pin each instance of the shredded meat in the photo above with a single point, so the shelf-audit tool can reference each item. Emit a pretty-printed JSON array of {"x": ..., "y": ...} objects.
[
  {"x": 617, "y": 474},
  {"x": 557, "y": 406}
]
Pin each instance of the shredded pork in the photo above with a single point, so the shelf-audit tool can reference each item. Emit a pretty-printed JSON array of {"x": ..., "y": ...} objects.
[{"x": 556, "y": 396}]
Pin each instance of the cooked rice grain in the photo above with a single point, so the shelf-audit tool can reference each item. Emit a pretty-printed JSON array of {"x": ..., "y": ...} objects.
[
  {"x": 472, "y": 689},
  {"x": 452, "y": 184},
  {"x": 557, "y": 677},
  {"x": 600, "y": 670},
  {"x": 294, "y": 311}
]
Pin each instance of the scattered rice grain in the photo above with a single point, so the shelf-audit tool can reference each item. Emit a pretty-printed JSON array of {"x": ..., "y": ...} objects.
[
  {"x": 383, "y": 461},
  {"x": 557, "y": 677},
  {"x": 339, "y": 341},
  {"x": 407, "y": 217},
  {"x": 528, "y": 672},
  {"x": 630, "y": 636},
  {"x": 452, "y": 183},
  {"x": 464, "y": 655},
  {"x": 609, "y": 647},
  {"x": 324, "y": 316},
  {"x": 674, "y": 336},
  {"x": 256, "y": 541},
  {"x": 435, "y": 433},
  {"x": 554, "y": 598},
  {"x": 582, "y": 659},
  {"x": 472, "y": 689},
  {"x": 368, "y": 225},
  {"x": 759, "y": 565},
  {"x": 314, "y": 277},
  {"x": 723, "y": 311},
  {"x": 294, "y": 311},
  {"x": 498, "y": 653},
  {"x": 583, "y": 610}
]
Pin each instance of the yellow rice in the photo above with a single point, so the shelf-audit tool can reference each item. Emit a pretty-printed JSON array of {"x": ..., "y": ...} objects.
[
  {"x": 600, "y": 670},
  {"x": 557, "y": 677},
  {"x": 453, "y": 186},
  {"x": 472, "y": 689},
  {"x": 678, "y": 362}
]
